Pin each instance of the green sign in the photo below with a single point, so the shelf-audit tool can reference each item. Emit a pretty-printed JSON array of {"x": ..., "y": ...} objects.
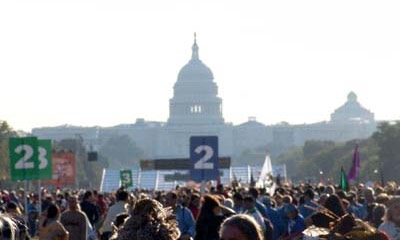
[
  {"x": 126, "y": 178},
  {"x": 30, "y": 158},
  {"x": 45, "y": 161},
  {"x": 24, "y": 158}
]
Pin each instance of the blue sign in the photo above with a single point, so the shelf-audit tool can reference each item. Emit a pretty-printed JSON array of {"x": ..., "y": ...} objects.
[{"x": 204, "y": 158}]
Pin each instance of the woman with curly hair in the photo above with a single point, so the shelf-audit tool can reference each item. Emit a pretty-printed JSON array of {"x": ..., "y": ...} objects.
[{"x": 149, "y": 220}]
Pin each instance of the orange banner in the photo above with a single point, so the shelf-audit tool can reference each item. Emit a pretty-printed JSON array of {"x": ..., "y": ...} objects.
[{"x": 63, "y": 169}]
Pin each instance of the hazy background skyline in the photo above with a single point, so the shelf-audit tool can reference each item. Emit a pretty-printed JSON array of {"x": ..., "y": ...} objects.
[{"x": 109, "y": 62}]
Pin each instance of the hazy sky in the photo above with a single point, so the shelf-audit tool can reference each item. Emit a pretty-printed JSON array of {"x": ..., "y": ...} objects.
[{"x": 109, "y": 62}]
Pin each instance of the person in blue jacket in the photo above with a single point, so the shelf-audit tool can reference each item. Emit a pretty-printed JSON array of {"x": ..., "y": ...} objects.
[
  {"x": 184, "y": 216},
  {"x": 296, "y": 224},
  {"x": 275, "y": 218}
]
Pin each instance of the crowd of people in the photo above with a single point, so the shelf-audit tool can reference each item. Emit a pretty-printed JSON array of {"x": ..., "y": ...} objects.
[{"x": 303, "y": 211}]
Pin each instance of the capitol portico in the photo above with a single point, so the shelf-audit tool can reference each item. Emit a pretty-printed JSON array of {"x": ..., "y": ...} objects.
[{"x": 196, "y": 109}]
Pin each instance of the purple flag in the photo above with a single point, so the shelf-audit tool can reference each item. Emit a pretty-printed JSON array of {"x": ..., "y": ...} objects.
[{"x": 355, "y": 167}]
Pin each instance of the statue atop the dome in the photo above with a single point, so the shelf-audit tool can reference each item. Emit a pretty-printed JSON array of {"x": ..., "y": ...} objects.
[
  {"x": 195, "y": 49},
  {"x": 352, "y": 97}
]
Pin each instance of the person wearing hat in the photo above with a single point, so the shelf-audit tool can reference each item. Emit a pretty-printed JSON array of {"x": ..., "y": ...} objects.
[{"x": 391, "y": 223}]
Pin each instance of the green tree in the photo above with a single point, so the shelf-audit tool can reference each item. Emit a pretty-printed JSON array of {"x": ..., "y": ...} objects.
[
  {"x": 388, "y": 140},
  {"x": 306, "y": 162},
  {"x": 314, "y": 147},
  {"x": 293, "y": 158},
  {"x": 6, "y": 132}
]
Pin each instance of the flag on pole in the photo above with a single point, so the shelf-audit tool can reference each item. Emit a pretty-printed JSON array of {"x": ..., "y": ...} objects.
[
  {"x": 344, "y": 185},
  {"x": 355, "y": 166},
  {"x": 252, "y": 182},
  {"x": 278, "y": 180},
  {"x": 234, "y": 176},
  {"x": 266, "y": 172},
  {"x": 219, "y": 178},
  {"x": 266, "y": 179},
  {"x": 235, "y": 182}
]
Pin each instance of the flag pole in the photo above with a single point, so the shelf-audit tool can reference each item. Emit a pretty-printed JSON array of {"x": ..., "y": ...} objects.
[
  {"x": 39, "y": 197},
  {"x": 382, "y": 176},
  {"x": 25, "y": 198}
]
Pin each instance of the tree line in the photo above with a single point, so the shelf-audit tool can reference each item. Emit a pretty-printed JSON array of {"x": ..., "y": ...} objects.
[
  {"x": 379, "y": 154},
  {"x": 379, "y": 157}
]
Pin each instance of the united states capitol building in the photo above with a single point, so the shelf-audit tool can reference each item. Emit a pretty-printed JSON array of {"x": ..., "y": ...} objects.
[{"x": 196, "y": 110}]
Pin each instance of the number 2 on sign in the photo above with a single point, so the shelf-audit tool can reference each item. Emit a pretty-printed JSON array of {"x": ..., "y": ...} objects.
[
  {"x": 202, "y": 162},
  {"x": 25, "y": 163}
]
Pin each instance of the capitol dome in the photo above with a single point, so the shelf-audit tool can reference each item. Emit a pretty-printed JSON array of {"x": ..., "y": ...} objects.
[
  {"x": 195, "y": 69},
  {"x": 195, "y": 100}
]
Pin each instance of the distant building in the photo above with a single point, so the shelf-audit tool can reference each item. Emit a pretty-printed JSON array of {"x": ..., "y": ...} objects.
[
  {"x": 352, "y": 111},
  {"x": 196, "y": 109}
]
